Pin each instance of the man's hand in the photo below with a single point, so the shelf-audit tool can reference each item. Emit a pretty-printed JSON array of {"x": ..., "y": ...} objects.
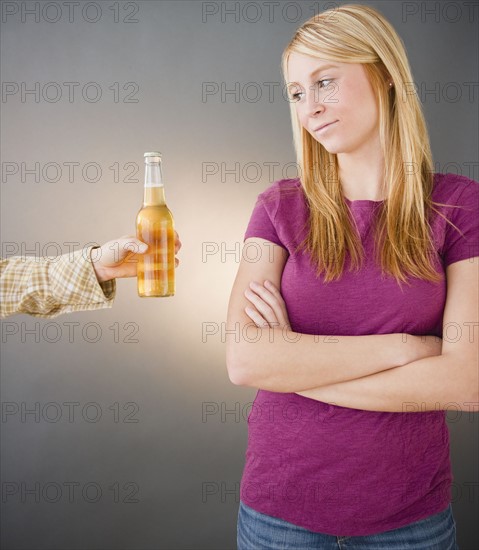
[{"x": 118, "y": 258}]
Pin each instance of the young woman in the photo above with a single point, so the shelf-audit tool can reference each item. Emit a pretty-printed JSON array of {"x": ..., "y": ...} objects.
[{"x": 361, "y": 263}]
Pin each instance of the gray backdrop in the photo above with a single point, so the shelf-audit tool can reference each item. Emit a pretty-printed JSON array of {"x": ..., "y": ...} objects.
[{"x": 135, "y": 437}]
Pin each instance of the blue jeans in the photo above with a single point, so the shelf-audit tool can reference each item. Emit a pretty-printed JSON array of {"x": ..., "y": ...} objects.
[{"x": 258, "y": 531}]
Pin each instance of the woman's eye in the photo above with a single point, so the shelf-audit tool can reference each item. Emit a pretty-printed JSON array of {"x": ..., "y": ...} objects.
[
  {"x": 296, "y": 95},
  {"x": 320, "y": 82},
  {"x": 325, "y": 80}
]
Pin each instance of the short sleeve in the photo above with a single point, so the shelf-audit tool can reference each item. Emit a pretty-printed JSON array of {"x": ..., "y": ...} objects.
[
  {"x": 261, "y": 225},
  {"x": 459, "y": 246}
]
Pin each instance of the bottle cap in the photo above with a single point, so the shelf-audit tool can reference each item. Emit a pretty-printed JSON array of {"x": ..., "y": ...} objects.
[{"x": 153, "y": 154}]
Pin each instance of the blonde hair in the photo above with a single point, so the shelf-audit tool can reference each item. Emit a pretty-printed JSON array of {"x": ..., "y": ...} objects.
[{"x": 356, "y": 33}]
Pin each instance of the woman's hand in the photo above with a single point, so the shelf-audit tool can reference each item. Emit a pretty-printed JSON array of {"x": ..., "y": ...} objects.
[{"x": 269, "y": 308}]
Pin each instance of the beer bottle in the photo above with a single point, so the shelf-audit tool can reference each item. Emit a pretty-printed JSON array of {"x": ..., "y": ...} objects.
[{"x": 155, "y": 227}]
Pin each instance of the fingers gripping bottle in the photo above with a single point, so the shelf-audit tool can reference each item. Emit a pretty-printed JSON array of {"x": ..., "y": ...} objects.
[{"x": 155, "y": 227}]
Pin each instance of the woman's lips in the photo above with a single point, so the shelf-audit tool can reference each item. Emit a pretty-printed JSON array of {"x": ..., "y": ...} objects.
[{"x": 324, "y": 127}]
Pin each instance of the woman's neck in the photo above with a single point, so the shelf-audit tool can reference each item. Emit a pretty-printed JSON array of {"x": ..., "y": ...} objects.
[{"x": 361, "y": 175}]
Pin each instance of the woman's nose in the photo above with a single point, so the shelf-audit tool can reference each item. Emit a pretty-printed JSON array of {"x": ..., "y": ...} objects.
[{"x": 314, "y": 100}]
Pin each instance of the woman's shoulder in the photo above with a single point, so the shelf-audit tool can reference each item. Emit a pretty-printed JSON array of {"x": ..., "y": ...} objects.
[
  {"x": 450, "y": 188},
  {"x": 282, "y": 205},
  {"x": 280, "y": 187},
  {"x": 283, "y": 197},
  {"x": 280, "y": 190}
]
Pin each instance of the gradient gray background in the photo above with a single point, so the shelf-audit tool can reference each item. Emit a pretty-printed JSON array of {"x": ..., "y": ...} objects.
[{"x": 173, "y": 453}]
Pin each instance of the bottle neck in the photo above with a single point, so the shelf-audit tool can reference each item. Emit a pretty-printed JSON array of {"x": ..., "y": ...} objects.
[{"x": 154, "y": 191}]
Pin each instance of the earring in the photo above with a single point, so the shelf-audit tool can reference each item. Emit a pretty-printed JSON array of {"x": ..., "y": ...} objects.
[{"x": 390, "y": 84}]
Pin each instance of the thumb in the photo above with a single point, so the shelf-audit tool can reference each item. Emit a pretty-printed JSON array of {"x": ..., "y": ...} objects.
[{"x": 134, "y": 245}]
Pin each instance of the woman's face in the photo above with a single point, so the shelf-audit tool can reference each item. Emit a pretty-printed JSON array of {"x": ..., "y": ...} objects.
[{"x": 344, "y": 97}]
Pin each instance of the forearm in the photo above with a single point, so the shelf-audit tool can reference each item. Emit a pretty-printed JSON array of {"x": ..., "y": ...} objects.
[
  {"x": 284, "y": 361},
  {"x": 432, "y": 383},
  {"x": 46, "y": 287}
]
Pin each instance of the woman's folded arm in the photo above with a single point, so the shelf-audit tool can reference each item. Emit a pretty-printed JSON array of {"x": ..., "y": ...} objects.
[{"x": 281, "y": 360}]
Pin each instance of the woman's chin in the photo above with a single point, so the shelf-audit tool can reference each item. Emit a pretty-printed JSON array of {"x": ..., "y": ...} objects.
[{"x": 331, "y": 148}]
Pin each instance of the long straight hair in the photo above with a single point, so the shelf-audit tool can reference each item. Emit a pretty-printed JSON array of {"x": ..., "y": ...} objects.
[{"x": 356, "y": 33}]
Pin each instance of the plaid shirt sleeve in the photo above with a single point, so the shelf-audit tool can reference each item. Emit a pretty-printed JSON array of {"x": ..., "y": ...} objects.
[{"x": 47, "y": 287}]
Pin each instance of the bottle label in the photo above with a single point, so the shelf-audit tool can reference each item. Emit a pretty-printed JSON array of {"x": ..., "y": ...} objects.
[{"x": 154, "y": 185}]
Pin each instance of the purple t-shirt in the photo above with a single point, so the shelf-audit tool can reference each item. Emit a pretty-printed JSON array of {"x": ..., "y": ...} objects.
[{"x": 338, "y": 470}]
